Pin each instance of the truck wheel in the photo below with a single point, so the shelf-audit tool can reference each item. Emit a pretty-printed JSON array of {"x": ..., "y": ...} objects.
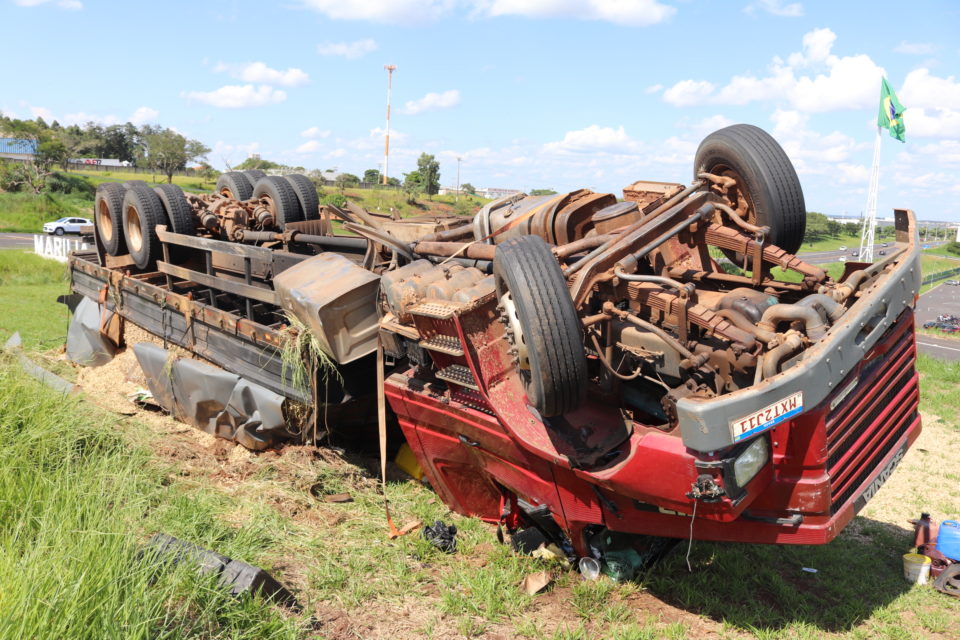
[
  {"x": 108, "y": 217},
  {"x": 253, "y": 175},
  {"x": 547, "y": 335},
  {"x": 306, "y": 194},
  {"x": 235, "y": 185},
  {"x": 142, "y": 212},
  {"x": 280, "y": 199},
  {"x": 178, "y": 210},
  {"x": 768, "y": 191}
]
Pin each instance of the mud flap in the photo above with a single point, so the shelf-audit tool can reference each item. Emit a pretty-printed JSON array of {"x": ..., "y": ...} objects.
[
  {"x": 213, "y": 400},
  {"x": 86, "y": 345}
]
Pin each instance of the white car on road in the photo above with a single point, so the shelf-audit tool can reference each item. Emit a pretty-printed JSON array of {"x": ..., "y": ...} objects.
[{"x": 65, "y": 225}]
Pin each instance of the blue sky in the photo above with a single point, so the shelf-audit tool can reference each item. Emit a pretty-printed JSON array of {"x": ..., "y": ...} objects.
[{"x": 529, "y": 93}]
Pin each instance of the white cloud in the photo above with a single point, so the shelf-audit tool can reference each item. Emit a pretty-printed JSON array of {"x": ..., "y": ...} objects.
[
  {"x": 593, "y": 139},
  {"x": 433, "y": 101},
  {"x": 390, "y": 11},
  {"x": 777, "y": 8},
  {"x": 83, "y": 118},
  {"x": 915, "y": 48},
  {"x": 688, "y": 92},
  {"x": 852, "y": 173},
  {"x": 920, "y": 89},
  {"x": 348, "y": 50},
  {"x": 937, "y": 123},
  {"x": 943, "y": 151},
  {"x": 260, "y": 73},
  {"x": 70, "y": 5},
  {"x": 42, "y": 112},
  {"x": 848, "y": 82},
  {"x": 237, "y": 96},
  {"x": 635, "y": 13},
  {"x": 315, "y": 132},
  {"x": 144, "y": 115},
  {"x": 654, "y": 88},
  {"x": 308, "y": 147}
]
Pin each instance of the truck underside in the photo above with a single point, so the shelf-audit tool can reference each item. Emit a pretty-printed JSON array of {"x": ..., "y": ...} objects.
[{"x": 571, "y": 362}]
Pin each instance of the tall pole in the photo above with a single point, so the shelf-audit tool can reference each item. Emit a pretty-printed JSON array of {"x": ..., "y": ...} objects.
[
  {"x": 386, "y": 139},
  {"x": 457, "y": 198},
  {"x": 870, "y": 221}
]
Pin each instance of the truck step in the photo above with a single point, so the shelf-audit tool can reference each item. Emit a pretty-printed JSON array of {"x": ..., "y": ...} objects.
[
  {"x": 439, "y": 310},
  {"x": 443, "y": 344},
  {"x": 458, "y": 374}
]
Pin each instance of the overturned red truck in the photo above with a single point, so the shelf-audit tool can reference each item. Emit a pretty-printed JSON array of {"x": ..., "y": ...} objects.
[{"x": 574, "y": 364}]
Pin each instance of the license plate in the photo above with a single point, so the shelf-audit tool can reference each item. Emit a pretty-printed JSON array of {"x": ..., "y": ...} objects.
[{"x": 767, "y": 417}]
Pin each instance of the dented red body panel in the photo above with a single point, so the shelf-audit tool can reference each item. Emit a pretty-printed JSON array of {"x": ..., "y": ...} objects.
[{"x": 478, "y": 446}]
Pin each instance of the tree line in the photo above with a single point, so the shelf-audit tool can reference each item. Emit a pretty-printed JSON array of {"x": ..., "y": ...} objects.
[{"x": 149, "y": 146}]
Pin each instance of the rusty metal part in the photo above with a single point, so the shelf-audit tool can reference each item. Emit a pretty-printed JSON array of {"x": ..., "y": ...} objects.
[
  {"x": 727, "y": 238},
  {"x": 684, "y": 288},
  {"x": 671, "y": 305},
  {"x": 605, "y": 359},
  {"x": 742, "y": 322},
  {"x": 743, "y": 224},
  {"x": 666, "y": 206},
  {"x": 772, "y": 359},
  {"x": 814, "y": 326},
  {"x": 364, "y": 215},
  {"x": 447, "y": 249},
  {"x": 833, "y": 309},
  {"x": 724, "y": 182},
  {"x": 575, "y": 247},
  {"x": 695, "y": 361},
  {"x": 450, "y": 235},
  {"x": 381, "y": 237}
]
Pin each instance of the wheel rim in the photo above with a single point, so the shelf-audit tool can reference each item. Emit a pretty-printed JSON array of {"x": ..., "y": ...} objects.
[
  {"x": 515, "y": 331},
  {"x": 134, "y": 231},
  {"x": 105, "y": 222}
]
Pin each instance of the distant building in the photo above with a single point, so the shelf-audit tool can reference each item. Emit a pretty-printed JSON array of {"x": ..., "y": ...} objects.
[
  {"x": 449, "y": 191},
  {"x": 17, "y": 149},
  {"x": 495, "y": 194}
]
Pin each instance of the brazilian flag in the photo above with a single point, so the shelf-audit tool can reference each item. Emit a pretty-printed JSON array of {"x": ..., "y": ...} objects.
[{"x": 891, "y": 112}]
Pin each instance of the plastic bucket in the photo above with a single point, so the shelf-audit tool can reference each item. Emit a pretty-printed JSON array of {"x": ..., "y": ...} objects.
[
  {"x": 948, "y": 539},
  {"x": 916, "y": 568}
]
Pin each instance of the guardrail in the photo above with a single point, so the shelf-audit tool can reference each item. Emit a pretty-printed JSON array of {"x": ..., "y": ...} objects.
[{"x": 940, "y": 275}]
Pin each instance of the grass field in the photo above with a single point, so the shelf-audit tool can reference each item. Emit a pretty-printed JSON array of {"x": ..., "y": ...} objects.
[{"x": 81, "y": 488}]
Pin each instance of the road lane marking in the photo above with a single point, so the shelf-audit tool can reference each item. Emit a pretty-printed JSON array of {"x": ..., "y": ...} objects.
[{"x": 938, "y": 346}]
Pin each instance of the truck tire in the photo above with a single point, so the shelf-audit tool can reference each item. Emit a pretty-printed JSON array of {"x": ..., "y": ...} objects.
[
  {"x": 235, "y": 185},
  {"x": 108, "y": 217},
  {"x": 134, "y": 183},
  {"x": 766, "y": 179},
  {"x": 306, "y": 194},
  {"x": 546, "y": 330},
  {"x": 253, "y": 175},
  {"x": 142, "y": 212},
  {"x": 178, "y": 210},
  {"x": 281, "y": 200}
]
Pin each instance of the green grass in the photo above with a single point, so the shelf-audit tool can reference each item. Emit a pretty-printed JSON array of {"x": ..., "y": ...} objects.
[
  {"x": 187, "y": 183},
  {"x": 26, "y": 212},
  {"x": 832, "y": 244},
  {"x": 77, "y": 499},
  {"x": 29, "y": 286}
]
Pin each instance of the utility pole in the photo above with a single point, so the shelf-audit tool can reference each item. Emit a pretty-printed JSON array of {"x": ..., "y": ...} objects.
[
  {"x": 390, "y": 68},
  {"x": 870, "y": 221},
  {"x": 457, "y": 198}
]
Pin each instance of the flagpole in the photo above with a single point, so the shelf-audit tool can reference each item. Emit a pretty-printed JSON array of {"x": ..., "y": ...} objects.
[{"x": 870, "y": 219}]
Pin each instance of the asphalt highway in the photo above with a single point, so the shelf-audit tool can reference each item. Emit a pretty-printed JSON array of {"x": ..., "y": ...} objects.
[
  {"x": 941, "y": 300},
  {"x": 823, "y": 257},
  {"x": 16, "y": 240}
]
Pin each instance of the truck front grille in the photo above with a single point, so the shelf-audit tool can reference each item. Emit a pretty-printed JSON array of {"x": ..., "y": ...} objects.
[{"x": 868, "y": 423}]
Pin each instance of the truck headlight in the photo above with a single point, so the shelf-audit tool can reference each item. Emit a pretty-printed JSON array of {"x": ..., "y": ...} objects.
[{"x": 748, "y": 464}]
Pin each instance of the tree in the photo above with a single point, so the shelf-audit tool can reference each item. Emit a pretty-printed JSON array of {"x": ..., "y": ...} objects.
[
  {"x": 466, "y": 187},
  {"x": 542, "y": 192},
  {"x": 429, "y": 170},
  {"x": 818, "y": 227},
  {"x": 168, "y": 151},
  {"x": 345, "y": 180},
  {"x": 413, "y": 183},
  {"x": 371, "y": 176}
]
